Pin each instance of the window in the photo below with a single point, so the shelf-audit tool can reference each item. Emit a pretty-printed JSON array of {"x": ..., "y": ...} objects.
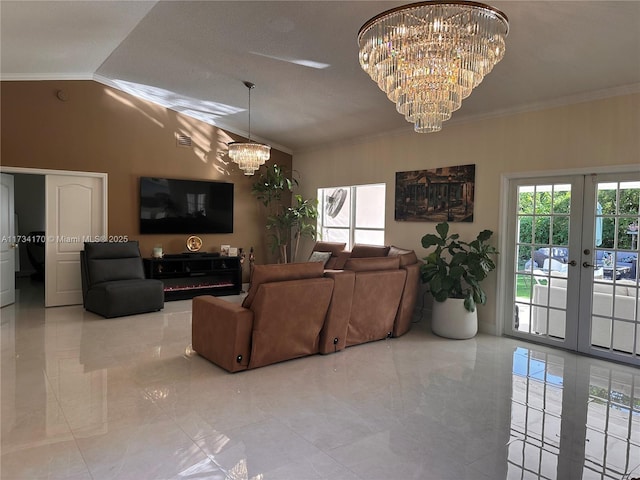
[{"x": 352, "y": 214}]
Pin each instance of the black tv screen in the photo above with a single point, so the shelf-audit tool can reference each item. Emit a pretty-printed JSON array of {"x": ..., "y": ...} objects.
[{"x": 185, "y": 206}]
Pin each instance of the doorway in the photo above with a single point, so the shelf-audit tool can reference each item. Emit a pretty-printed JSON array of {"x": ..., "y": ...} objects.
[
  {"x": 573, "y": 270},
  {"x": 75, "y": 209}
]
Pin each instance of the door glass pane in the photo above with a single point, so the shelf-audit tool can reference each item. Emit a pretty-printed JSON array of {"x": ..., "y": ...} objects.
[
  {"x": 561, "y": 230},
  {"x": 629, "y": 198},
  {"x": 543, "y": 199},
  {"x": 628, "y": 233},
  {"x": 561, "y": 199}
]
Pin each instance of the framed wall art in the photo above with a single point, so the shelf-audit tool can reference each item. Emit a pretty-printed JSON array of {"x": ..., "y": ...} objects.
[{"x": 435, "y": 195}]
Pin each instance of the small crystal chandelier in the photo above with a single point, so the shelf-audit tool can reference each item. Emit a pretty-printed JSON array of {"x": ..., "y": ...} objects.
[
  {"x": 428, "y": 56},
  {"x": 249, "y": 155}
]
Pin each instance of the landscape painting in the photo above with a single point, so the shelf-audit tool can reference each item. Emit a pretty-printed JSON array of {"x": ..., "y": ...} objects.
[{"x": 435, "y": 195}]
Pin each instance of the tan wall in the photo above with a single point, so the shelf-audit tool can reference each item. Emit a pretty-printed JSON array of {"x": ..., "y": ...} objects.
[
  {"x": 592, "y": 134},
  {"x": 100, "y": 129}
]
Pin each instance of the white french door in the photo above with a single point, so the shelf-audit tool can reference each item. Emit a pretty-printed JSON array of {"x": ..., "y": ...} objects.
[{"x": 573, "y": 268}]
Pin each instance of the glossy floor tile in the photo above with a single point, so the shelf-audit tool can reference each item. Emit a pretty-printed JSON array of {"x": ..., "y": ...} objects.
[{"x": 90, "y": 398}]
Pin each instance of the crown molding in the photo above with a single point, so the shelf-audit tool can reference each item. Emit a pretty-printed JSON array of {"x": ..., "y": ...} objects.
[
  {"x": 553, "y": 103},
  {"x": 28, "y": 77}
]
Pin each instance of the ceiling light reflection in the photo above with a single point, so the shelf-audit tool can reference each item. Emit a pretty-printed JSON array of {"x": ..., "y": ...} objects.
[
  {"x": 296, "y": 61},
  {"x": 203, "y": 110}
]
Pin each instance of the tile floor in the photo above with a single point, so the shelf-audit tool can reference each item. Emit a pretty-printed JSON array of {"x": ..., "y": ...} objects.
[{"x": 88, "y": 398}]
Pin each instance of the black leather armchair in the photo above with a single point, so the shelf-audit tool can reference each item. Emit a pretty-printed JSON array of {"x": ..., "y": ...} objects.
[{"x": 113, "y": 281}]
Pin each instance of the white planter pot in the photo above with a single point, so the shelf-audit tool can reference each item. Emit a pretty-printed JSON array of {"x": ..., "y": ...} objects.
[{"x": 450, "y": 319}]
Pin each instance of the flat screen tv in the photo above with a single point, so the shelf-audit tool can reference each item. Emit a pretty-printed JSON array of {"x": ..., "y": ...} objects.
[{"x": 185, "y": 206}]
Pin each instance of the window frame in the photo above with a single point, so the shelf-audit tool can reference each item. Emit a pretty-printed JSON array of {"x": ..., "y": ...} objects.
[{"x": 351, "y": 228}]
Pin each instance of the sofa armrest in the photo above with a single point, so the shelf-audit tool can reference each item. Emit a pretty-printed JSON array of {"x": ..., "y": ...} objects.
[
  {"x": 402, "y": 323},
  {"x": 221, "y": 332},
  {"x": 333, "y": 336}
]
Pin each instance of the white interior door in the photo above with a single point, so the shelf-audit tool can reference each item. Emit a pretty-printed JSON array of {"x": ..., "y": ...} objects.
[
  {"x": 8, "y": 243},
  {"x": 75, "y": 214},
  {"x": 573, "y": 270}
]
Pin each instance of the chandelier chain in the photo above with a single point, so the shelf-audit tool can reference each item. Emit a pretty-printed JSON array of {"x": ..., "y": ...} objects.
[{"x": 249, "y": 155}]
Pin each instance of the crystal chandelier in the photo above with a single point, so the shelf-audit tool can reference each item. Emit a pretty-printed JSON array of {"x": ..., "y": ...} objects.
[
  {"x": 428, "y": 56},
  {"x": 249, "y": 155}
]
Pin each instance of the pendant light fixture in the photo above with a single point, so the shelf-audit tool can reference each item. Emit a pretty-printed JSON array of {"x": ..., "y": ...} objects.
[
  {"x": 428, "y": 56},
  {"x": 249, "y": 155}
]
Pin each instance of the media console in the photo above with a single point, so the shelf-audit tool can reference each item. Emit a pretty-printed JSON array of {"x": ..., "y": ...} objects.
[{"x": 188, "y": 275}]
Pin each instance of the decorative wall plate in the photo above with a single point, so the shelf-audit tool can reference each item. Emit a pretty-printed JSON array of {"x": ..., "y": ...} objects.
[{"x": 194, "y": 243}]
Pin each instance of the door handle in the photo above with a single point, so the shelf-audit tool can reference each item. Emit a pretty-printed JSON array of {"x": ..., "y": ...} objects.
[
  {"x": 588, "y": 265},
  {"x": 572, "y": 263}
]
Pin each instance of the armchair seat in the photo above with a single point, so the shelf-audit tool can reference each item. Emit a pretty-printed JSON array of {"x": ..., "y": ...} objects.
[{"x": 113, "y": 281}]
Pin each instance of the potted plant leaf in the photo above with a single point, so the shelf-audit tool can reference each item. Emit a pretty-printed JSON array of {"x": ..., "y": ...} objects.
[{"x": 453, "y": 272}]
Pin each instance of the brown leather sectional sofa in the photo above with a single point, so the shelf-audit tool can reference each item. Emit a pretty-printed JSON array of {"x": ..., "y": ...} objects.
[{"x": 299, "y": 309}]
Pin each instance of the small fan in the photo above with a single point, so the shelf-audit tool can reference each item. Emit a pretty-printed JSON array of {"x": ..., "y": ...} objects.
[{"x": 335, "y": 202}]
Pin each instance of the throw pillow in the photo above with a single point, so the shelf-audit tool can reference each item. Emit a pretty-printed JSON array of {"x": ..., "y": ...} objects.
[
  {"x": 322, "y": 257},
  {"x": 407, "y": 257},
  {"x": 334, "y": 247}
]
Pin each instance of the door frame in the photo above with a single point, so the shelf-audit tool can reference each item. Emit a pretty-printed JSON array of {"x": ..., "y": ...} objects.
[
  {"x": 504, "y": 275},
  {"x": 103, "y": 177},
  {"x": 8, "y": 256}
]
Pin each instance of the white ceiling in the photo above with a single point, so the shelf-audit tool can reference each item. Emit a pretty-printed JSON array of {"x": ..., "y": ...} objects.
[{"x": 194, "y": 56}]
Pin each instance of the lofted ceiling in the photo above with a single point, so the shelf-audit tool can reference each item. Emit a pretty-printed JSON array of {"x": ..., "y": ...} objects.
[{"x": 302, "y": 55}]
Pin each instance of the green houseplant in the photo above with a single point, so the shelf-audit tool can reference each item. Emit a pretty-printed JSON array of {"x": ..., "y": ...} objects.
[
  {"x": 455, "y": 269},
  {"x": 285, "y": 222}
]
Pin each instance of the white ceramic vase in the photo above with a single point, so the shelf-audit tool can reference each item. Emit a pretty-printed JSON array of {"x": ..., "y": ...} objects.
[{"x": 450, "y": 319}]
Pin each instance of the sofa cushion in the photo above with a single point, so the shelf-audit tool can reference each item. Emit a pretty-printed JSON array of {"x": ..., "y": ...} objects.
[
  {"x": 125, "y": 297},
  {"x": 360, "y": 250},
  {"x": 279, "y": 273},
  {"x": 372, "y": 263},
  {"x": 337, "y": 263},
  {"x": 407, "y": 257}
]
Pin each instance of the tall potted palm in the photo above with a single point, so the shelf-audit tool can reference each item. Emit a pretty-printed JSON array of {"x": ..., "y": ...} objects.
[
  {"x": 453, "y": 272},
  {"x": 285, "y": 222}
]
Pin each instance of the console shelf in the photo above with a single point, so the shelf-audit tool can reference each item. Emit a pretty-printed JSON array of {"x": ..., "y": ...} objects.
[{"x": 190, "y": 274}]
